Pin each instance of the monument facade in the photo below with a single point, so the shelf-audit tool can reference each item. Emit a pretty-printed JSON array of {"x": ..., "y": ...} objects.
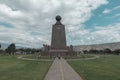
[{"x": 58, "y": 42}]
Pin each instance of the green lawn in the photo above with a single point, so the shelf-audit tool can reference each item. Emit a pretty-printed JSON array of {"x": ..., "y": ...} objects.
[
  {"x": 104, "y": 68},
  {"x": 32, "y": 56},
  {"x": 81, "y": 56},
  {"x": 12, "y": 68}
]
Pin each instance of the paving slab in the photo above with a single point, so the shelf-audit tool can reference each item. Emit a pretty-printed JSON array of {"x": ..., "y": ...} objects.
[{"x": 61, "y": 70}]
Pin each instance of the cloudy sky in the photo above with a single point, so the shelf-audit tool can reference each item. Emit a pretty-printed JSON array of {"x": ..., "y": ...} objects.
[{"x": 29, "y": 22}]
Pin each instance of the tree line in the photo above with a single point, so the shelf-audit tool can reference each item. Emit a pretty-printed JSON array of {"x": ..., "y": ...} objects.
[
  {"x": 12, "y": 50},
  {"x": 104, "y": 51}
]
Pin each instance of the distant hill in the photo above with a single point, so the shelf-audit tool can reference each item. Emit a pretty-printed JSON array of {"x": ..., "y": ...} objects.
[{"x": 111, "y": 46}]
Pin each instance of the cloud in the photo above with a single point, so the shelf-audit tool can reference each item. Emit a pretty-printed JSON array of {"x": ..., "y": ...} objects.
[
  {"x": 109, "y": 33},
  {"x": 101, "y": 34},
  {"x": 117, "y": 7},
  {"x": 37, "y": 16},
  {"x": 20, "y": 37},
  {"x": 7, "y": 11},
  {"x": 114, "y": 16},
  {"x": 106, "y": 11}
]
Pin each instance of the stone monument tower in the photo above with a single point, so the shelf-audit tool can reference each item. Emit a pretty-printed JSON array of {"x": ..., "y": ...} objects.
[{"x": 58, "y": 41}]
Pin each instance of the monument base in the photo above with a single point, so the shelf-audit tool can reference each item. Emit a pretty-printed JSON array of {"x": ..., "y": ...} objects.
[
  {"x": 58, "y": 44},
  {"x": 59, "y": 53}
]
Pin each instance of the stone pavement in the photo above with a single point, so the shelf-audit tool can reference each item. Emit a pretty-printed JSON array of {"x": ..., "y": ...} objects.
[{"x": 61, "y": 70}]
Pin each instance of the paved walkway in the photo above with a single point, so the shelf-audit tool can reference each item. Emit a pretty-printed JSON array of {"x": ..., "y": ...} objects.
[
  {"x": 61, "y": 70},
  {"x": 21, "y": 57},
  {"x": 94, "y": 57}
]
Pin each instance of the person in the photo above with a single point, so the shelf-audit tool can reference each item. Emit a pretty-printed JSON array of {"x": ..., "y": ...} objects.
[{"x": 58, "y": 57}]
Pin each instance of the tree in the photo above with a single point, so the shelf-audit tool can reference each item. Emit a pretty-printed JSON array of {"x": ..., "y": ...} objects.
[
  {"x": 0, "y": 45},
  {"x": 85, "y": 51},
  {"x": 107, "y": 50},
  {"x": 101, "y": 51},
  {"x": 11, "y": 49},
  {"x": 117, "y": 51},
  {"x": 94, "y": 51}
]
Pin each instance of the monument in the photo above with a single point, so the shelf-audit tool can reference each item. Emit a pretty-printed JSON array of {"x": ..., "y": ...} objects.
[{"x": 58, "y": 42}]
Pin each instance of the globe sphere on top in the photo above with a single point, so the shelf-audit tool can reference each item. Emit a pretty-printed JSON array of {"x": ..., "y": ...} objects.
[{"x": 58, "y": 18}]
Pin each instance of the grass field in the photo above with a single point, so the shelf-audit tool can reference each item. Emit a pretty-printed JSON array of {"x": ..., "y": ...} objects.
[
  {"x": 82, "y": 56},
  {"x": 104, "y": 68},
  {"x": 12, "y": 68},
  {"x": 32, "y": 56}
]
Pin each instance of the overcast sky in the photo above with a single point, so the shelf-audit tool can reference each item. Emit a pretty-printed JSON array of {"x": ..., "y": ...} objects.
[{"x": 29, "y": 22}]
